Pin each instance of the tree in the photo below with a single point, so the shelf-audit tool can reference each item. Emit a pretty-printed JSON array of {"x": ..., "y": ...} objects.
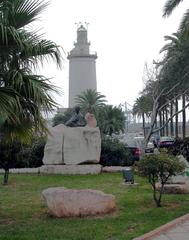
[
  {"x": 23, "y": 94},
  {"x": 159, "y": 167},
  {"x": 90, "y": 100},
  {"x": 111, "y": 120},
  {"x": 164, "y": 89},
  {"x": 142, "y": 107},
  {"x": 176, "y": 63},
  {"x": 157, "y": 94},
  {"x": 169, "y": 7}
]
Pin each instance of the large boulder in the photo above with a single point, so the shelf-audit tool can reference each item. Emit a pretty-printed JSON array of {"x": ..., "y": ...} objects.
[
  {"x": 174, "y": 188},
  {"x": 64, "y": 202}
]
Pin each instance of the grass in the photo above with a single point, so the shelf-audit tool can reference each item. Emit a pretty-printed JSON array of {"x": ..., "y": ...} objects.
[{"x": 24, "y": 215}]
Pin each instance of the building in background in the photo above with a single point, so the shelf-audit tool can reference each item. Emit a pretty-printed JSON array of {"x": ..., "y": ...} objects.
[{"x": 82, "y": 66}]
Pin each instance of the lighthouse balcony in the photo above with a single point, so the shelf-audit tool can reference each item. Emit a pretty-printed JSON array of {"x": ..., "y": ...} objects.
[{"x": 80, "y": 54}]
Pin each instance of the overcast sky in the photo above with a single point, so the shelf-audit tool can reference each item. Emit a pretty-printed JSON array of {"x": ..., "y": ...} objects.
[{"x": 125, "y": 34}]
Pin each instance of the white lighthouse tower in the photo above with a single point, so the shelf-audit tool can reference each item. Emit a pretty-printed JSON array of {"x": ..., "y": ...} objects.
[{"x": 82, "y": 66}]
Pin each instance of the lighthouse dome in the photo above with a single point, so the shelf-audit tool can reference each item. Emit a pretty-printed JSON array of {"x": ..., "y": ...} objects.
[{"x": 81, "y": 28}]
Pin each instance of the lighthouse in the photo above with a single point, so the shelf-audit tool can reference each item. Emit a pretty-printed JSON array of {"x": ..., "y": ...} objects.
[{"x": 82, "y": 66}]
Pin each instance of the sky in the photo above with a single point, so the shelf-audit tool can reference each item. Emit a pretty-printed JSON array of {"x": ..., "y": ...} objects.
[{"x": 125, "y": 34}]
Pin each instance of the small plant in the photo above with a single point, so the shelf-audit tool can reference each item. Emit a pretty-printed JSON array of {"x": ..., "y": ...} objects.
[{"x": 159, "y": 167}]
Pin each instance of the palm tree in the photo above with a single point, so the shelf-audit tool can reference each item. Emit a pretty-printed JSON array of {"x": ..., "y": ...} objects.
[
  {"x": 175, "y": 66},
  {"x": 23, "y": 94},
  {"x": 111, "y": 120},
  {"x": 169, "y": 7},
  {"x": 142, "y": 108},
  {"x": 90, "y": 100}
]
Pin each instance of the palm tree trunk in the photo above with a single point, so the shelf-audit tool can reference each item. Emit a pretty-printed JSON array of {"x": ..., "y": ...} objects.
[
  {"x": 166, "y": 119},
  {"x": 171, "y": 121},
  {"x": 143, "y": 124},
  {"x": 176, "y": 118},
  {"x": 183, "y": 117},
  {"x": 163, "y": 122},
  {"x": 160, "y": 123}
]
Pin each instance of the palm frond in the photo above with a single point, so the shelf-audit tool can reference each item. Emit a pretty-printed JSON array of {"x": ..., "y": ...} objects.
[
  {"x": 184, "y": 25},
  {"x": 9, "y": 103},
  {"x": 169, "y": 6},
  {"x": 24, "y": 12}
]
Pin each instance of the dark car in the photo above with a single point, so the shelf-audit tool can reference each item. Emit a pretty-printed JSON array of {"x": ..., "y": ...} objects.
[
  {"x": 166, "y": 142},
  {"x": 134, "y": 149}
]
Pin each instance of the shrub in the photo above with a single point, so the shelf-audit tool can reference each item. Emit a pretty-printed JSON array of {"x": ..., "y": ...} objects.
[
  {"x": 181, "y": 147},
  {"x": 37, "y": 152},
  {"x": 8, "y": 156},
  {"x": 159, "y": 167},
  {"x": 114, "y": 153},
  {"x": 31, "y": 156}
]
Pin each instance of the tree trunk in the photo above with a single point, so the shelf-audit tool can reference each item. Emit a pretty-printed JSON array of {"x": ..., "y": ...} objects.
[
  {"x": 6, "y": 176},
  {"x": 160, "y": 123},
  {"x": 176, "y": 118},
  {"x": 143, "y": 124},
  {"x": 163, "y": 122},
  {"x": 171, "y": 121},
  {"x": 166, "y": 118},
  {"x": 183, "y": 117}
]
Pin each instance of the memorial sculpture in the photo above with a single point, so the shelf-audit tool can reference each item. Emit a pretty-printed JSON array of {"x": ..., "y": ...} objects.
[
  {"x": 76, "y": 142},
  {"x": 77, "y": 120}
]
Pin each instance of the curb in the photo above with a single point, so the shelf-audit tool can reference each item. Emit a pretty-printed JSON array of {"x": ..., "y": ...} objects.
[{"x": 162, "y": 229}]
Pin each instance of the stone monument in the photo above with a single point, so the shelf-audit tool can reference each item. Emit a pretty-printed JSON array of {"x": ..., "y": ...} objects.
[{"x": 73, "y": 145}]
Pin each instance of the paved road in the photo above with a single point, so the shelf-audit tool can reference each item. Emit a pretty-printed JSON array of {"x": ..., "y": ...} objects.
[{"x": 177, "y": 229}]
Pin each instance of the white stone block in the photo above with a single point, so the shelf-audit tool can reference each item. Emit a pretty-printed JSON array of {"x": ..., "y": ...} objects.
[{"x": 71, "y": 169}]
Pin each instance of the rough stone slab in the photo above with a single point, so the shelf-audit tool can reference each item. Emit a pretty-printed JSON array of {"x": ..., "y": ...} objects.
[
  {"x": 174, "y": 188},
  {"x": 64, "y": 202},
  {"x": 81, "y": 145},
  {"x": 71, "y": 169},
  {"x": 113, "y": 169},
  {"x": 182, "y": 159},
  {"x": 53, "y": 152},
  {"x": 72, "y": 145},
  {"x": 178, "y": 179}
]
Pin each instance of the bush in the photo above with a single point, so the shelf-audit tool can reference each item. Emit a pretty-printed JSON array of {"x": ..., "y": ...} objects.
[
  {"x": 181, "y": 147},
  {"x": 31, "y": 156},
  {"x": 159, "y": 167},
  {"x": 8, "y": 156},
  {"x": 114, "y": 153}
]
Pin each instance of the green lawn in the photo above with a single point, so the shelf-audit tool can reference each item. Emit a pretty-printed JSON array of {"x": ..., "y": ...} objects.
[{"x": 24, "y": 215}]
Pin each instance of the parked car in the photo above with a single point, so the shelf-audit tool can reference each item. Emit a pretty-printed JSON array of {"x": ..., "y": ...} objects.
[
  {"x": 134, "y": 149},
  {"x": 150, "y": 146},
  {"x": 166, "y": 142}
]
